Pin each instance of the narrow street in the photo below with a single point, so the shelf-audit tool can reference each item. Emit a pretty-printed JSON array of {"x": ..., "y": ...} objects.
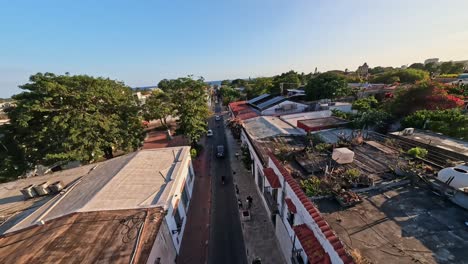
[{"x": 226, "y": 243}]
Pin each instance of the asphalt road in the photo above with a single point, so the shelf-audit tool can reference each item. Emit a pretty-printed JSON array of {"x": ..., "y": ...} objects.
[{"x": 226, "y": 243}]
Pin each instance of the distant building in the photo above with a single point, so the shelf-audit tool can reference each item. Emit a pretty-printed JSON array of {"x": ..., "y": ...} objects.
[
  {"x": 363, "y": 71},
  {"x": 130, "y": 209}
]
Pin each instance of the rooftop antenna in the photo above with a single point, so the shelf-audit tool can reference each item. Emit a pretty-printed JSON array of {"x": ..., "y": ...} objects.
[{"x": 160, "y": 173}]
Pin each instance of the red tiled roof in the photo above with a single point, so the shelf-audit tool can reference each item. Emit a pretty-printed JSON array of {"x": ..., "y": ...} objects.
[
  {"x": 314, "y": 251},
  {"x": 313, "y": 211},
  {"x": 247, "y": 115},
  {"x": 272, "y": 177},
  {"x": 241, "y": 110},
  {"x": 291, "y": 206}
]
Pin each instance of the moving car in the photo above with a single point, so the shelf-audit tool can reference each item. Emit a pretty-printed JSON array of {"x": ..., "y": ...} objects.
[
  {"x": 220, "y": 151},
  {"x": 209, "y": 133},
  {"x": 217, "y": 118}
]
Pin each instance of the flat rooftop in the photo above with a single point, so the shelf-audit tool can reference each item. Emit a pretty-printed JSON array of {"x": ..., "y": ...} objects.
[
  {"x": 404, "y": 225},
  {"x": 137, "y": 180},
  {"x": 269, "y": 126},
  {"x": 116, "y": 236},
  {"x": 319, "y": 123},
  {"x": 437, "y": 140}
]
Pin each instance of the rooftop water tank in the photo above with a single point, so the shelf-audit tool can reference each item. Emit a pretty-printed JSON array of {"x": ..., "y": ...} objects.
[{"x": 456, "y": 177}]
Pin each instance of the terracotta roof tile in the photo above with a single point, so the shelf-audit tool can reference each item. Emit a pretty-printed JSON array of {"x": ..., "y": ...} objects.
[
  {"x": 324, "y": 227},
  {"x": 272, "y": 177},
  {"x": 291, "y": 206},
  {"x": 312, "y": 247}
]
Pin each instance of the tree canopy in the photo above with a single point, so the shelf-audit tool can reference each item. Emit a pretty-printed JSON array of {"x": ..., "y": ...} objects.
[
  {"x": 287, "y": 80},
  {"x": 158, "y": 106},
  {"x": 402, "y": 76},
  {"x": 425, "y": 95},
  {"x": 259, "y": 86},
  {"x": 327, "y": 86},
  {"x": 65, "y": 118},
  {"x": 365, "y": 104},
  {"x": 189, "y": 97},
  {"x": 450, "y": 122}
]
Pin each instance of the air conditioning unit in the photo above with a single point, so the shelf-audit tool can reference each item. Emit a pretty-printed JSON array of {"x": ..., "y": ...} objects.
[
  {"x": 29, "y": 192},
  {"x": 408, "y": 131},
  {"x": 42, "y": 189}
]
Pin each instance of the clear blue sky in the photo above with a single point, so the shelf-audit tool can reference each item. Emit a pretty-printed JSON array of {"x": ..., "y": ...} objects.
[{"x": 141, "y": 42}]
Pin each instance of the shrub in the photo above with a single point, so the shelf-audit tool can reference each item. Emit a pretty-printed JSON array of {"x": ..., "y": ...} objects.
[
  {"x": 352, "y": 173},
  {"x": 417, "y": 152},
  {"x": 323, "y": 147},
  {"x": 193, "y": 153}
]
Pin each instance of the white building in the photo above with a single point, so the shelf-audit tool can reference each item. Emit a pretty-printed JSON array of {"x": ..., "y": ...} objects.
[
  {"x": 144, "y": 195},
  {"x": 304, "y": 236}
]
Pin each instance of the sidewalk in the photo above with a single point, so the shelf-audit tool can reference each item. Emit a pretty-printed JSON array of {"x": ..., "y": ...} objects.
[
  {"x": 194, "y": 247},
  {"x": 259, "y": 232}
]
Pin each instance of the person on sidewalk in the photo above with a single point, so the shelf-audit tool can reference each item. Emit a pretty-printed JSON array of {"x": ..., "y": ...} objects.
[
  {"x": 237, "y": 155},
  {"x": 239, "y": 203},
  {"x": 249, "y": 201},
  {"x": 237, "y": 189}
]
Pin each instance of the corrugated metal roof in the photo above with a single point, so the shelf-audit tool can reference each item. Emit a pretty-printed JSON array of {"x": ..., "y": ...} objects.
[
  {"x": 258, "y": 98},
  {"x": 274, "y": 101}
]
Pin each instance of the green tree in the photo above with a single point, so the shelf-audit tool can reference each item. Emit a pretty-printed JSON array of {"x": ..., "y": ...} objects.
[
  {"x": 365, "y": 104},
  {"x": 229, "y": 94},
  {"x": 239, "y": 83},
  {"x": 158, "y": 106},
  {"x": 431, "y": 67},
  {"x": 404, "y": 76},
  {"x": 327, "y": 86},
  {"x": 450, "y": 122},
  {"x": 12, "y": 160},
  {"x": 163, "y": 84},
  {"x": 376, "y": 70},
  {"x": 288, "y": 80},
  {"x": 375, "y": 119},
  {"x": 65, "y": 118},
  {"x": 259, "y": 86},
  {"x": 190, "y": 103},
  {"x": 226, "y": 82},
  {"x": 418, "y": 66}
]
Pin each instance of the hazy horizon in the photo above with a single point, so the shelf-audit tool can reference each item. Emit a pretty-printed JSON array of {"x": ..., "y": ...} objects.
[{"x": 141, "y": 43}]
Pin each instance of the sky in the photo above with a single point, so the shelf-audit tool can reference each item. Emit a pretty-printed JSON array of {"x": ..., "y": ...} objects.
[{"x": 141, "y": 42}]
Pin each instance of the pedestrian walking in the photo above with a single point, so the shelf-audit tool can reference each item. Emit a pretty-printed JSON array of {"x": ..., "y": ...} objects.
[
  {"x": 237, "y": 190},
  {"x": 249, "y": 201},
  {"x": 237, "y": 155},
  {"x": 239, "y": 203}
]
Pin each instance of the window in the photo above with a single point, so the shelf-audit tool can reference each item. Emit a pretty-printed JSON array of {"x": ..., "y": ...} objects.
[
  {"x": 291, "y": 218},
  {"x": 179, "y": 220},
  {"x": 190, "y": 174},
  {"x": 185, "y": 198}
]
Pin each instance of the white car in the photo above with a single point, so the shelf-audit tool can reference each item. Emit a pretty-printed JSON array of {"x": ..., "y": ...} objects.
[
  {"x": 209, "y": 133},
  {"x": 217, "y": 118}
]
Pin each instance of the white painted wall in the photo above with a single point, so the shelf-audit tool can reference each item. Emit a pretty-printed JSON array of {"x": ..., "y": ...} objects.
[
  {"x": 163, "y": 247},
  {"x": 181, "y": 180},
  {"x": 303, "y": 216}
]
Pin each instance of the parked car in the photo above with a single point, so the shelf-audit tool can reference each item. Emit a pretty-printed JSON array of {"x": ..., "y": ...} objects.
[
  {"x": 220, "y": 151},
  {"x": 209, "y": 133},
  {"x": 217, "y": 118}
]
